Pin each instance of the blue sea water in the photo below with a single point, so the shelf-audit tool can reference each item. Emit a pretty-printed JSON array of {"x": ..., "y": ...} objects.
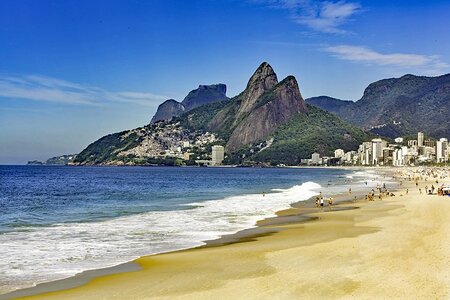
[{"x": 57, "y": 221}]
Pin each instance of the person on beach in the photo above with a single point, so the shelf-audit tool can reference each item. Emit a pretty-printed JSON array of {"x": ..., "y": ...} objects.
[
  {"x": 406, "y": 191},
  {"x": 321, "y": 203},
  {"x": 432, "y": 189},
  {"x": 350, "y": 191},
  {"x": 420, "y": 191},
  {"x": 317, "y": 201},
  {"x": 330, "y": 202}
]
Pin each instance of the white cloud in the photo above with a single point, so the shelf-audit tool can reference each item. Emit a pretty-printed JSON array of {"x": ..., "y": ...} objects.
[
  {"x": 42, "y": 88},
  {"x": 431, "y": 63},
  {"x": 322, "y": 16}
]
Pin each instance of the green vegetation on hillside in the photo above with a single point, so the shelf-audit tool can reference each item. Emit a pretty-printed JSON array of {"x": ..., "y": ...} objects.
[
  {"x": 198, "y": 118},
  {"x": 105, "y": 149},
  {"x": 315, "y": 131}
]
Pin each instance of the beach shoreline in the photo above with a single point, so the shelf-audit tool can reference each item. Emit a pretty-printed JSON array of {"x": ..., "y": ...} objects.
[{"x": 300, "y": 212}]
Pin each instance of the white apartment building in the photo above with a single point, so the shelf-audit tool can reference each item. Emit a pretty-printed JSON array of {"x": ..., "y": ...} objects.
[{"x": 217, "y": 155}]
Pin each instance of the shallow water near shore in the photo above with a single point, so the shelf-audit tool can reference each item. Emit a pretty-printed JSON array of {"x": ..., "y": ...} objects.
[{"x": 59, "y": 221}]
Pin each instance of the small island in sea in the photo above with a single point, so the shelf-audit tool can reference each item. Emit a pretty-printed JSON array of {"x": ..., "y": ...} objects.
[{"x": 195, "y": 171}]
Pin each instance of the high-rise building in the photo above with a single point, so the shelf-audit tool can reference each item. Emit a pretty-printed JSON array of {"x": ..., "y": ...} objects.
[
  {"x": 429, "y": 143},
  {"x": 420, "y": 139},
  {"x": 377, "y": 150},
  {"x": 217, "y": 155},
  {"x": 315, "y": 159},
  {"x": 441, "y": 150},
  {"x": 412, "y": 143},
  {"x": 339, "y": 153}
]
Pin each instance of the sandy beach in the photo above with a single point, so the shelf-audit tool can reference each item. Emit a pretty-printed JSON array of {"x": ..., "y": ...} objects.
[{"x": 398, "y": 247}]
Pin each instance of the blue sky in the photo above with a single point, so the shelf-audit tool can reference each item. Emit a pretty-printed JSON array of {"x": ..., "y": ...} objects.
[{"x": 73, "y": 71}]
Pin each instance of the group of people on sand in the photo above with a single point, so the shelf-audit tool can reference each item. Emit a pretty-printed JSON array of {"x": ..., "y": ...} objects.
[
  {"x": 382, "y": 192},
  {"x": 320, "y": 202},
  {"x": 433, "y": 174}
]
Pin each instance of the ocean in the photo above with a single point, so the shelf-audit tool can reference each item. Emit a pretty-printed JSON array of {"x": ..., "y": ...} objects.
[{"x": 57, "y": 221}]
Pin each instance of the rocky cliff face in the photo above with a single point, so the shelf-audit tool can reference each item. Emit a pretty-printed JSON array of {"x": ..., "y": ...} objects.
[
  {"x": 259, "y": 110},
  {"x": 273, "y": 108},
  {"x": 204, "y": 94},
  {"x": 167, "y": 110},
  {"x": 261, "y": 81}
]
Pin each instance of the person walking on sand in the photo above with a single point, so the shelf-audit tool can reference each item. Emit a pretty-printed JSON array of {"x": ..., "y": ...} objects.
[
  {"x": 321, "y": 203},
  {"x": 349, "y": 191},
  {"x": 330, "y": 202},
  {"x": 432, "y": 189}
]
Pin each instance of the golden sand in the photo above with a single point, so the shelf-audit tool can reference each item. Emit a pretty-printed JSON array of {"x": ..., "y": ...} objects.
[{"x": 395, "y": 248}]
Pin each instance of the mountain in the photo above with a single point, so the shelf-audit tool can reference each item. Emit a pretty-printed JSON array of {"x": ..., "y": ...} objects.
[
  {"x": 273, "y": 108},
  {"x": 269, "y": 122},
  {"x": 330, "y": 104},
  {"x": 57, "y": 160},
  {"x": 399, "y": 106},
  {"x": 167, "y": 110},
  {"x": 204, "y": 94},
  {"x": 315, "y": 131}
]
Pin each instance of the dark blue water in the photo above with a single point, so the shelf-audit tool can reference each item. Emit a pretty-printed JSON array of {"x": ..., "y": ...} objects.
[
  {"x": 44, "y": 195},
  {"x": 57, "y": 221}
]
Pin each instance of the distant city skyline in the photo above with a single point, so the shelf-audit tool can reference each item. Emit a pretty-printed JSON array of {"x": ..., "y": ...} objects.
[{"x": 73, "y": 71}]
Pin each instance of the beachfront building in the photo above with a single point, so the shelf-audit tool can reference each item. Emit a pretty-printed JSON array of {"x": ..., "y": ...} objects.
[
  {"x": 399, "y": 140},
  {"x": 388, "y": 154},
  {"x": 364, "y": 153},
  {"x": 420, "y": 139},
  {"x": 442, "y": 150},
  {"x": 377, "y": 151},
  {"x": 315, "y": 159},
  {"x": 412, "y": 143},
  {"x": 339, "y": 153},
  {"x": 217, "y": 155}
]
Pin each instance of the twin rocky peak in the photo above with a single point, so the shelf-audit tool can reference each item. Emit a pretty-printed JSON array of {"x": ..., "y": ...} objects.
[
  {"x": 203, "y": 95},
  {"x": 253, "y": 115}
]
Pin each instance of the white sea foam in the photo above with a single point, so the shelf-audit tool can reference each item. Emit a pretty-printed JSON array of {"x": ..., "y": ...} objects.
[{"x": 36, "y": 255}]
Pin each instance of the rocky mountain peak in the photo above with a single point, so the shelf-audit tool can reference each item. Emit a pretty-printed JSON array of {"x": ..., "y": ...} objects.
[
  {"x": 273, "y": 108},
  {"x": 167, "y": 110},
  {"x": 205, "y": 94},
  {"x": 261, "y": 81},
  {"x": 288, "y": 94}
]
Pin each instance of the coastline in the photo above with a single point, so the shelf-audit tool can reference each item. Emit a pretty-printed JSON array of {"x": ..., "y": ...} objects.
[{"x": 300, "y": 212}]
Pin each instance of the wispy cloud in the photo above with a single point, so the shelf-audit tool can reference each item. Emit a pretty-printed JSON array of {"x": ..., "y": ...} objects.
[
  {"x": 321, "y": 16},
  {"x": 431, "y": 64},
  {"x": 42, "y": 88}
]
